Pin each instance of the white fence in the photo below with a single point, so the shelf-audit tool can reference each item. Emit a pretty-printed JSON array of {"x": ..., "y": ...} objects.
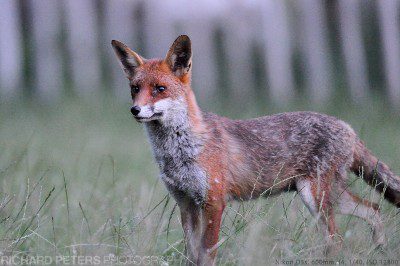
[{"x": 48, "y": 46}]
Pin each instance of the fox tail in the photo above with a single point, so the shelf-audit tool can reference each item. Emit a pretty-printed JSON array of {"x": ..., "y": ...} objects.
[{"x": 376, "y": 174}]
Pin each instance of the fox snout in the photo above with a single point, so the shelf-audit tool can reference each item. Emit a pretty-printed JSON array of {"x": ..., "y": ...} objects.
[
  {"x": 145, "y": 113},
  {"x": 135, "y": 110}
]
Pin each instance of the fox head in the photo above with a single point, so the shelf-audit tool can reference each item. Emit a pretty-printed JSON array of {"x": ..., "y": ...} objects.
[{"x": 159, "y": 87}]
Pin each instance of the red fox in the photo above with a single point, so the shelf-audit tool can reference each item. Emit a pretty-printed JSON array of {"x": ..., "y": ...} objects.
[{"x": 206, "y": 160}]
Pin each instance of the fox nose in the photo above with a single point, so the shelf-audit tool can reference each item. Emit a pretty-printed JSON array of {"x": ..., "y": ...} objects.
[{"x": 135, "y": 110}]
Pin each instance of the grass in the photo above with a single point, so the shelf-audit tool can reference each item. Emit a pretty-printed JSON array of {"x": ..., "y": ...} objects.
[{"x": 77, "y": 178}]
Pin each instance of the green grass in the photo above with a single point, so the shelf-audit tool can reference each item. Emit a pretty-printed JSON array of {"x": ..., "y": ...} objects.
[{"x": 77, "y": 178}]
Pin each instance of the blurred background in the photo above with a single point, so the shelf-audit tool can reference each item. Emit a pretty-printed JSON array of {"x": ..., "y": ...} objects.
[
  {"x": 76, "y": 174},
  {"x": 271, "y": 49}
]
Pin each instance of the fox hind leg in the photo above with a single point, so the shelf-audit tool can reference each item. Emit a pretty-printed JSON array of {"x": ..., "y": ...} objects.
[
  {"x": 318, "y": 203},
  {"x": 350, "y": 204}
]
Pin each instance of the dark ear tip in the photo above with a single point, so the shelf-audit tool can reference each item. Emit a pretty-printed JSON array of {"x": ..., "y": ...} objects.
[
  {"x": 115, "y": 43},
  {"x": 119, "y": 47},
  {"x": 183, "y": 38},
  {"x": 118, "y": 44}
]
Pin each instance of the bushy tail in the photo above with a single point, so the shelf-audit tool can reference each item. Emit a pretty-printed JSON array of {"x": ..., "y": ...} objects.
[{"x": 376, "y": 174}]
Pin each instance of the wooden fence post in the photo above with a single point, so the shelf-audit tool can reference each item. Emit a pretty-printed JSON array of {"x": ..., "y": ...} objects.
[
  {"x": 353, "y": 48},
  {"x": 313, "y": 41},
  {"x": 120, "y": 26},
  {"x": 197, "y": 19},
  {"x": 83, "y": 45},
  {"x": 390, "y": 33},
  {"x": 278, "y": 50},
  {"x": 159, "y": 27},
  {"x": 239, "y": 40},
  {"x": 48, "y": 58},
  {"x": 10, "y": 49}
]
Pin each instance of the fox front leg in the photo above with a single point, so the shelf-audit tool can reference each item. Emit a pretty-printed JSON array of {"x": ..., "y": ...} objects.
[
  {"x": 211, "y": 216},
  {"x": 192, "y": 229}
]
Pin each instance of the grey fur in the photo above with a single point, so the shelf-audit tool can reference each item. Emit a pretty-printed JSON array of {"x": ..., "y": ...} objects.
[
  {"x": 281, "y": 146},
  {"x": 175, "y": 148}
]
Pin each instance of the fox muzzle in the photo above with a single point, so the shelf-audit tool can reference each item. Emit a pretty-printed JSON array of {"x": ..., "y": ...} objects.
[{"x": 135, "y": 110}]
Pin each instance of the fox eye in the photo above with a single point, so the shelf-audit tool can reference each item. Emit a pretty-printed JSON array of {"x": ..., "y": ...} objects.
[
  {"x": 160, "y": 88},
  {"x": 135, "y": 89}
]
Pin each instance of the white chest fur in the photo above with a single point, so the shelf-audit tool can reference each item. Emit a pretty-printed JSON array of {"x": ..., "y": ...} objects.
[{"x": 176, "y": 149}]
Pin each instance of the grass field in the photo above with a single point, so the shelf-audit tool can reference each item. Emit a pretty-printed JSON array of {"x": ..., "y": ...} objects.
[{"x": 77, "y": 178}]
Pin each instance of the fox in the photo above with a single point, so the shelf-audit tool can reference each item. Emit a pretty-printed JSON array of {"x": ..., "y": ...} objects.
[{"x": 206, "y": 160}]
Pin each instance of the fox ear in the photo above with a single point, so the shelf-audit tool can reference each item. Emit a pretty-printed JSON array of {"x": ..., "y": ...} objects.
[
  {"x": 179, "y": 56},
  {"x": 128, "y": 59}
]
